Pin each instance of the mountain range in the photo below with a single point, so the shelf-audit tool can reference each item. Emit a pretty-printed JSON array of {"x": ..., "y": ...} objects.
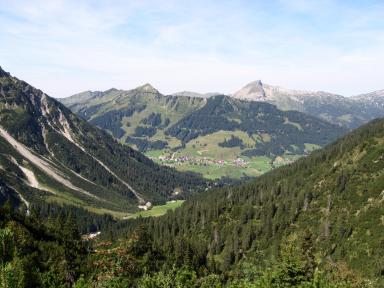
[
  {"x": 349, "y": 112},
  {"x": 216, "y": 135},
  {"x": 50, "y": 155}
]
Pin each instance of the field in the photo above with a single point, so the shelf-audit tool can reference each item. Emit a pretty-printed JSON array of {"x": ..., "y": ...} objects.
[
  {"x": 157, "y": 210},
  {"x": 210, "y": 167}
]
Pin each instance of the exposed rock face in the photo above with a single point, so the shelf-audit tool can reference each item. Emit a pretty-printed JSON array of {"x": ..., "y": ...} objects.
[
  {"x": 252, "y": 91},
  {"x": 259, "y": 91}
]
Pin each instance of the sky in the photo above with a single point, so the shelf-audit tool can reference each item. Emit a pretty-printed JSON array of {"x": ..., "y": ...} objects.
[{"x": 65, "y": 47}]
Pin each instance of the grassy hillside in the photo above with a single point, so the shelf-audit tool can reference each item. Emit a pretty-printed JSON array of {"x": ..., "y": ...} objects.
[{"x": 217, "y": 136}]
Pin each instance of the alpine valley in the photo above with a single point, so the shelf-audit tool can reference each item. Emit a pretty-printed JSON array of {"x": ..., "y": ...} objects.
[
  {"x": 175, "y": 184},
  {"x": 212, "y": 134},
  {"x": 69, "y": 194}
]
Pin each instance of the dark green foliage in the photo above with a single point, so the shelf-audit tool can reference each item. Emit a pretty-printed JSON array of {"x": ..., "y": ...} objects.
[
  {"x": 145, "y": 145},
  {"x": 37, "y": 255},
  {"x": 86, "y": 222},
  {"x": 232, "y": 142},
  {"x": 52, "y": 255},
  {"x": 166, "y": 122},
  {"x": 261, "y": 152},
  {"x": 7, "y": 194},
  {"x": 154, "y": 120},
  {"x": 87, "y": 113},
  {"x": 137, "y": 263},
  {"x": 174, "y": 278},
  {"x": 141, "y": 131},
  {"x": 111, "y": 120}
]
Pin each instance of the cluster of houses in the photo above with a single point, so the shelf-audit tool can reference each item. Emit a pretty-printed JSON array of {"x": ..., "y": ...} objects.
[
  {"x": 239, "y": 162},
  {"x": 172, "y": 159}
]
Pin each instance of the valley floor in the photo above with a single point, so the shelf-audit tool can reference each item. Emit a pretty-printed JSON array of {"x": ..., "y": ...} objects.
[{"x": 213, "y": 168}]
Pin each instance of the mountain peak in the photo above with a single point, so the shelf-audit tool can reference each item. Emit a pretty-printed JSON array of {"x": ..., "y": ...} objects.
[
  {"x": 148, "y": 88},
  {"x": 110, "y": 90},
  {"x": 254, "y": 83},
  {"x": 252, "y": 91},
  {"x": 259, "y": 91}
]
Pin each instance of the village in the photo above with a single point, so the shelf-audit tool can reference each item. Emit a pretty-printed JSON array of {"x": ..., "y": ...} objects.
[{"x": 173, "y": 160}]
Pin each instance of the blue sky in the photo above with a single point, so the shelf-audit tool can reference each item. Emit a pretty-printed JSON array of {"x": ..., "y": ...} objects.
[{"x": 64, "y": 47}]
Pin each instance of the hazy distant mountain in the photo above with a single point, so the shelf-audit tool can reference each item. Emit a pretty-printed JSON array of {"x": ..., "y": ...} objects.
[
  {"x": 375, "y": 99},
  {"x": 49, "y": 155},
  {"x": 195, "y": 94},
  {"x": 86, "y": 96},
  {"x": 204, "y": 134},
  {"x": 349, "y": 112}
]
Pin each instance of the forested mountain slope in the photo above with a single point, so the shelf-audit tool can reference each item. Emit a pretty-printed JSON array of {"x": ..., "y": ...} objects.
[
  {"x": 288, "y": 132},
  {"x": 216, "y": 136},
  {"x": 49, "y": 155},
  {"x": 333, "y": 198}
]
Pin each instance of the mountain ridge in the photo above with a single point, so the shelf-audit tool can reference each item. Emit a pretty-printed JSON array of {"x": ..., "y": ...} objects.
[
  {"x": 334, "y": 108},
  {"x": 55, "y": 154}
]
